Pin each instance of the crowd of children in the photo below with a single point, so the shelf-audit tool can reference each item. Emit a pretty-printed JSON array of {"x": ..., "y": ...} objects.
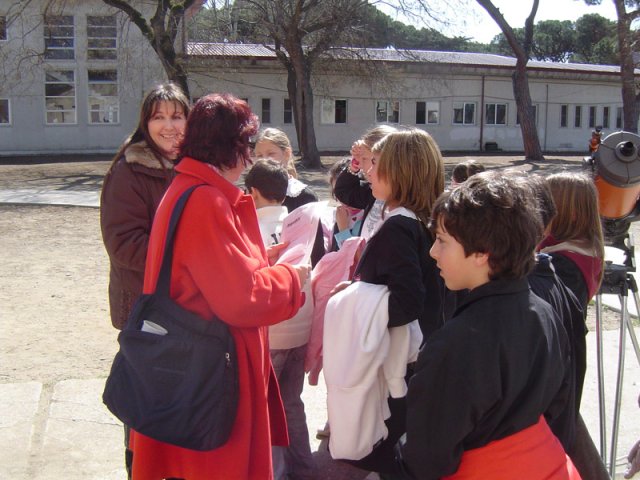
[
  {"x": 497, "y": 280},
  {"x": 450, "y": 323}
]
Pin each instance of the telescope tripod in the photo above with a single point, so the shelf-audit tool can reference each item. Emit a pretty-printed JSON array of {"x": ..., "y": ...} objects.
[{"x": 618, "y": 280}]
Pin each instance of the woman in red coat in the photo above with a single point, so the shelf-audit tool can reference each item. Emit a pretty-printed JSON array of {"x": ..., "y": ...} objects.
[{"x": 220, "y": 266}]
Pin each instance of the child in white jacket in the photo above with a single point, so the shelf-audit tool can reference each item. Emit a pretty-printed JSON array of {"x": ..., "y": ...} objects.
[{"x": 267, "y": 182}]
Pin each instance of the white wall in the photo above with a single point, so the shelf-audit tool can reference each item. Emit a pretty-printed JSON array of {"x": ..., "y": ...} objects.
[
  {"x": 28, "y": 133},
  {"x": 255, "y": 83}
]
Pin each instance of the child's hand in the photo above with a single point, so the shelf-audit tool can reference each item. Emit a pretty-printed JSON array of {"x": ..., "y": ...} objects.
[
  {"x": 356, "y": 147},
  {"x": 342, "y": 217},
  {"x": 359, "y": 150},
  {"x": 339, "y": 287}
]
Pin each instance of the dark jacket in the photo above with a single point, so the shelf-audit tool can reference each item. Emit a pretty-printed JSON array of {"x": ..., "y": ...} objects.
[
  {"x": 398, "y": 256},
  {"x": 490, "y": 372},
  {"x": 547, "y": 285},
  {"x": 131, "y": 192},
  {"x": 352, "y": 191},
  {"x": 305, "y": 196}
]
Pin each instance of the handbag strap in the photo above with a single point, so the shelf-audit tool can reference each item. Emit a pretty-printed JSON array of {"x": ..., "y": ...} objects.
[{"x": 164, "y": 277}]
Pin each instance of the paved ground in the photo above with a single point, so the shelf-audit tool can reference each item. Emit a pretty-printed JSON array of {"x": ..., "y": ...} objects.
[{"x": 62, "y": 430}]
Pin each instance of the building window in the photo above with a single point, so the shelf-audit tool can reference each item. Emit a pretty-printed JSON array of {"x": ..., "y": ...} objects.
[
  {"x": 5, "y": 112},
  {"x": 564, "y": 115},
  {"x": 619, "y": 118},
  {"x": 427, "y": 113},
  {"x": 605, "y": 116},
  {"x": 101, "y": 37},
  {"x": 60, "y": 97},
  {"x": 592, "y": 117},
  {"x": 3, "y": 27},
  {"x": 59, "y": 37},
  {"x": 535, "y": 115},
  {"x": 288, "y": 112},
  {"x": 577, "y": 118},
  {"x": 103, "y": 96},
  {"x": 387, "y": 112},
  {"x": 266, "y": 110},
  {"x": 333, "y": 111},
  {"x": 495, "y": 113},
  {"x": 464, "y": 113}
]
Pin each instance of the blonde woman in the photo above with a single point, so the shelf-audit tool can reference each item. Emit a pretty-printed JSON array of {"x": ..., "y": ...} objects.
[{"x": 274, "y": 143}]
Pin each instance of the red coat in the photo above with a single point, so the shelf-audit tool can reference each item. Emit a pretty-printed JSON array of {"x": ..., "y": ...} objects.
[{"x": 220, "y": 266}]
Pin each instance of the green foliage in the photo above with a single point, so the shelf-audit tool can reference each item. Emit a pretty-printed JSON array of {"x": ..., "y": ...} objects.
[
  {"x": 590, "y": 39},
  {"x": 596, "y": 40},
  {"x": 554, "y": 40}
]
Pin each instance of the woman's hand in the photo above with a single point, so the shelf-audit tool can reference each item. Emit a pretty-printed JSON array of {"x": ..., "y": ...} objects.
[
  {"x": 274, "y": 252},
  {"x": 303, "y": 272}
]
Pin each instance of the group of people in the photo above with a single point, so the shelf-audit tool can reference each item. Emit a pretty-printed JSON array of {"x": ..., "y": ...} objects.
[{"x": 449, "y": 321}]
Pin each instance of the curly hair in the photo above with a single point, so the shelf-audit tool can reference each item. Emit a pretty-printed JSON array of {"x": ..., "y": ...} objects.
[{"x": 218, "y": 131}]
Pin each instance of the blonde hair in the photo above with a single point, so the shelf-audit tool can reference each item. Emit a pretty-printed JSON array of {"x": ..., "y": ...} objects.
[
  {"x": 577, "y": 218},
  {"x": 280, "y": 140},
  {"x": 377, "y": 133},
  {"x": 411, "y": 162}
]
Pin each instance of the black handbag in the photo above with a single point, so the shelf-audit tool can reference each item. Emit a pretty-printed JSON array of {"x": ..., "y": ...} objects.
[{"x": 175, "y": 376}]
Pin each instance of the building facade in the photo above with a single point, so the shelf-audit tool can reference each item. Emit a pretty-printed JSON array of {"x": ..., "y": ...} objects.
[
  {"x": 73, "y": 78},
  {"x": 465, "y": 100}
]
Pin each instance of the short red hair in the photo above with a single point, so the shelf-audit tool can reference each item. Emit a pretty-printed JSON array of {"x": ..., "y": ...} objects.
[{"x": 218, "y": 130}]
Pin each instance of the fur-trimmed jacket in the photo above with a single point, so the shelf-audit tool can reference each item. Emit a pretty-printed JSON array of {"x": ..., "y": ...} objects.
[{"x": 131, "y": 192}]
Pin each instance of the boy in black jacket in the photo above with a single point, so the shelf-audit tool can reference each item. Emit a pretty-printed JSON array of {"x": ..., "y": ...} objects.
[{"x": 485, "y": 382}]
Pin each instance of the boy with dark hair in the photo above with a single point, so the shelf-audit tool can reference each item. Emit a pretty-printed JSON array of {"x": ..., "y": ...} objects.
[
  {"x": 486, "y": 382},
  {"x": 267, "y": 182},
  {"x": 269, "y": 178}
]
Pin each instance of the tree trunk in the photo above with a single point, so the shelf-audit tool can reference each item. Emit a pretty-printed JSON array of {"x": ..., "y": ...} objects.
[
  {"x": 522, "y": 50},
  {"x": 293, "y": 98},
  {"x": 530, "y": 140},
  {"x": 160, "y": 37},
  {"x": 627, "y": 74},
  {"x": 302, "y": 105},
  {"x": 172, "y": 67}
]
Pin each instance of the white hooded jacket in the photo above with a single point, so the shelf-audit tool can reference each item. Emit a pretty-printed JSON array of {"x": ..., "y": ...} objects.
[{"x": 364, "y": 362}]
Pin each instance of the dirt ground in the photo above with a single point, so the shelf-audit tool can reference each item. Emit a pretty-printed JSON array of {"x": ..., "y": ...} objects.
[{"x": 53, "y": 275}]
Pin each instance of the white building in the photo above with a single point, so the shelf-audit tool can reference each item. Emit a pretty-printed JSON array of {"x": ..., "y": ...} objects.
[
  {"x": 72, "y": 82},
  {"x": 465, "y": 100}
]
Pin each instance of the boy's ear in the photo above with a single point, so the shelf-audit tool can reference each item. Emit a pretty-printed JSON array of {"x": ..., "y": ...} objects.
[{"x": 481, "y": 259}]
